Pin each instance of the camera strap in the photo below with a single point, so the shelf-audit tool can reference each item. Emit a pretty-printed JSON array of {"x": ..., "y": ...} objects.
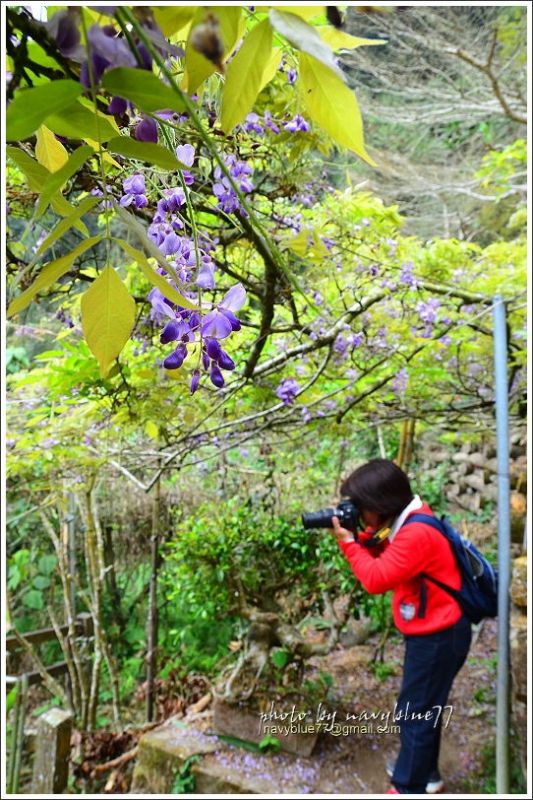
[{"x": 378, "y": 537}]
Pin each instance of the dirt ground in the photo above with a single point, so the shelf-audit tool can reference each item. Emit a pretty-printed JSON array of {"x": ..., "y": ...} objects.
[{"x": 355, "y": 763}]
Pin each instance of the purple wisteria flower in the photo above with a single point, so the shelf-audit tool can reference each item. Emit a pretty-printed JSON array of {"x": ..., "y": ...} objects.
[
  {"x": 399, "y": 382},
  {"x": 252, "y": 124},
  {"x": 223, "y": 190},
  {"x": 146, "y": 130},
  {"x": 292, "y": 75},
  {"x": 406, "y": 275},
  {"x": 428, "y": 311},
  {"x": 186, "y": 154},
  {"x": 269, "y": 123},
  {"x": 287, "y": 390},
  {"x": 220, "y": 322},
  {"x": 134, "y": 191},
  {"x": 64, "y": 28},
  {"x": 297, "y": 124}
]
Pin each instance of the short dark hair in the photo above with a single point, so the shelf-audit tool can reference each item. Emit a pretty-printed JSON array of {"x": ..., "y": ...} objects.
[{"x": 380, "y": 486}]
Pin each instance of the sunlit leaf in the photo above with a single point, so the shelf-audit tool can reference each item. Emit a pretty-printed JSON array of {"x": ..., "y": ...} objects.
[
  {"x": 340, "y": 40},
  {"x": 86, "y": 205},
  {"x": 154, "y": 277},
  {"x": 50, "y": 274},
  {"x": 305, "y": 38},
  {"x": 107, "y": 317},
  {"x": 244, "y": 75},
  {"x": 332, "y": 105},
  {"x": 172, "y": 19},
  {"x": 49, "y": 151},
  {"x": 58, "y": 179},
  {"x": 197, "y": 67},
  {"x": 271, "y": 67}
]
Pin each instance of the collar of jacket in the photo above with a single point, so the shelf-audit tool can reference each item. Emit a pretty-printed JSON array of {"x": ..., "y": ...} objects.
[{"x": 414, "y": 505}]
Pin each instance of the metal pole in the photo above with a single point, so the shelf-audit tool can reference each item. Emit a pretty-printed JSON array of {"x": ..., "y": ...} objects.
[{"x": 504, "y": 546}]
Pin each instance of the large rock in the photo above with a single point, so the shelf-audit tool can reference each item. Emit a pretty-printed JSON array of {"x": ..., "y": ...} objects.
[{"x": 233, "y": 720}]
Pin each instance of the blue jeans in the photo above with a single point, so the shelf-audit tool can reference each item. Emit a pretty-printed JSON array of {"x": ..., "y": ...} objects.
[{"x": 431, "y": 663}]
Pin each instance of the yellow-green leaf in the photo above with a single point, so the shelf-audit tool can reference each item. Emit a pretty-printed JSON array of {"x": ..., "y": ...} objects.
[
  {"x": 107, "y": 317},
  {"x": 36, "y": 176},
  {"x": 305, "y": 12},
  {"x": 154, "y": 277},
  {"x": 271, "y": 67},
  {"x": 305, "y": 37},
  {"x": 340, "y": 40},
  {"x": 197, "y": 67},
  {"x": 49, "y": 275},
  {"x": 332, "y": 105},
  {"x": 57, "y": 180},
  {"x": 172, "y": 19},
  {"x": 49, "y": 151},
  {"x": 86, "y": 205},
  {"x": 151, "y": 429},
  {"x": 244, "y": 75}
]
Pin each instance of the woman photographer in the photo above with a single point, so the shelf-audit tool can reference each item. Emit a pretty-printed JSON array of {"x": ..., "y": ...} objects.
[{"x": 391, "y": 554}]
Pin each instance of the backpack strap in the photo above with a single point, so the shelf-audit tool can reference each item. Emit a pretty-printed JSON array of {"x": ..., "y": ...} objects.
[{"x": 434, "y": 522}]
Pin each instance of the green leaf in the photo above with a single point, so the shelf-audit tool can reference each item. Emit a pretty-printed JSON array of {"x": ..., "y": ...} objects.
[
  {"x": 33, "y": 599},
  {"x": 154, "y": 277},
  {"x": 305, "y": 38},
  {"x": 144, "y": 151},
  {"x": 57, "y": 179},
  {"x": 197, "y": 67},
  {"x": 79, "y": 122},
  {"x": 280, "y": 658},
  {"x": 31, "y": 107},
  {"x": 41, "y": 582},
  {"x": 332, "y": 105},
  {"x": 135, "y": 227},
  {"x": 144, "y": 89},
  {"x": 245, "y": 74},
  {"x": 47, "y": 564},
  {"x": 107, "y": 317},
  {"x": 86, "y": 205},
  {"x": 49, "y": 275}
]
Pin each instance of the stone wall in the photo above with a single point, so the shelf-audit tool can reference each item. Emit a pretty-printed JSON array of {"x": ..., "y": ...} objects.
[{"x": 518, "y": 646}]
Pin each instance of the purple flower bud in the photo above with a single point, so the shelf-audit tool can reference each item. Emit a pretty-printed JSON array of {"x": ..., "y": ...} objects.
[
  {"x": 146, "y": 131},
  {"x": 134, "y": 184},
  {"x": 213, "y": 348},
  {"x": 216, "y": 377},
  {"x": 117, "y": 106},
  {"x": 224, "y": 361},
  {"x": 176, "y": 359},
  {"x": 170, "y": 333},
  {"x": 194, "y": 320},
  {"x": 195, "y": 380},
  {"x": 205, "y": 360}
]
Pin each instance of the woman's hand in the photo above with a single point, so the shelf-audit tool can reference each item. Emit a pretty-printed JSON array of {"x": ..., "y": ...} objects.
[{"x": 342, "y": 534}]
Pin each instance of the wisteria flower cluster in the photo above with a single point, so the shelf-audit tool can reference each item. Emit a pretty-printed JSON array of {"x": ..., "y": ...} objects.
[{"x": 194, "y": 268}]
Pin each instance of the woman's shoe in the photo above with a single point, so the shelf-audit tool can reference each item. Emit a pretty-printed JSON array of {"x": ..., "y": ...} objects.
[{"x": 435, "y": 784}]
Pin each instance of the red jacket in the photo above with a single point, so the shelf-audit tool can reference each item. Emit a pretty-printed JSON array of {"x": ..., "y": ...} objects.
[{"x": 418, "y": 605}]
